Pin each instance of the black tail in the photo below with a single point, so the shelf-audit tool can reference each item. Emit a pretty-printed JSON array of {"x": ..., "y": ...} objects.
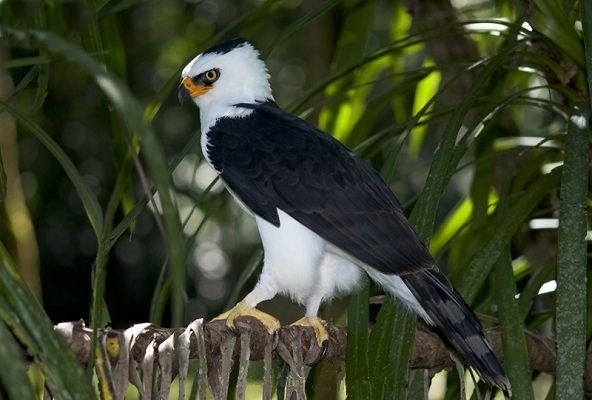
[{"x": 457, "y": 324}]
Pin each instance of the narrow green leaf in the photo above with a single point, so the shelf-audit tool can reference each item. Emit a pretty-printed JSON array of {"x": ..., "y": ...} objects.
[
  {"x": 402, "y": 335},
  {"x": 380, "y": 337},
  {"x": 557, "y": 24},
  {"x": 426, "y": 89},
  {"x": 586, "y": 18},
  {"x": 3, "y": 179},
  {"x": 42, "y": 84},
  {"x": 357, "y": 377},
  {"x": 516, "y": 360},
  {"x": 15, "y": 324},
  {"x": 14, "y": 379},
  {"x": 25, "y": 81},
  {"x": 391, "y": 342},
  {"x": 158, "y": 302},
  {"x": 115, "y": 7},
  {"x": 570, "y": 311}
]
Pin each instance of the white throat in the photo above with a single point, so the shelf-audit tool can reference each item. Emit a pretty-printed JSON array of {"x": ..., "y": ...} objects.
[{"x": 208, "y": 115}]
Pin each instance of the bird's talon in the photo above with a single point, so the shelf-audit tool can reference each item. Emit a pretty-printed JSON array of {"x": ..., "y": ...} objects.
[
  {"x": 318, "y": 325},
  {"x": 270, "y": 323}
]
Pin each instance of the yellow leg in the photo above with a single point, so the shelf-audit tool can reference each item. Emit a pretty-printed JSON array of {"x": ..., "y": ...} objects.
[
  {"x": 242, "y": 309},
  {"x": 318, "y": 325}
]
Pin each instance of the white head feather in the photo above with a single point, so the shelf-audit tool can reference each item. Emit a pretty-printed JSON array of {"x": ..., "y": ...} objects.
[{"x": 243, "y": 79}]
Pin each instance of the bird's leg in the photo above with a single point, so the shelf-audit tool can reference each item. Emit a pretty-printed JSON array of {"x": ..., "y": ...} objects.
[{"x": 246, "y": 307}]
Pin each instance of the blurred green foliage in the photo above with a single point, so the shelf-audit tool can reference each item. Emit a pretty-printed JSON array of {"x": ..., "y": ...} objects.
[{"x": 463, "y": 106}]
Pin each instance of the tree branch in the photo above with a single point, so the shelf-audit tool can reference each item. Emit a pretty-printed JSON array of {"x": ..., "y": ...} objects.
[{"x": 429, "y": 352}]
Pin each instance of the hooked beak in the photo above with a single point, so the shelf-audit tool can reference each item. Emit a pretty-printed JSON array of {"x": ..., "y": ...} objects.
[
  {"x": 183, "y": 94},
  {"x": 188, "y": 89}
]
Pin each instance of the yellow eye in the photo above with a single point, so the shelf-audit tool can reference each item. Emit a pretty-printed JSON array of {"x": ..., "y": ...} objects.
[{"x": 211, "y": 75}]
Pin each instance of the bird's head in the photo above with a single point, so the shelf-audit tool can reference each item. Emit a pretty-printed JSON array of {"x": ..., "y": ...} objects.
[{"x": 224, "y": 75}]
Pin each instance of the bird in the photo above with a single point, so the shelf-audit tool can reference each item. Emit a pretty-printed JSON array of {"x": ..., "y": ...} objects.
[{"x": 324, "y": 215}]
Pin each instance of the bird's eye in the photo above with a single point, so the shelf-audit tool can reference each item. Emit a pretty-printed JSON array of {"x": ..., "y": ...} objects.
[{"x": 211, "y": 76}]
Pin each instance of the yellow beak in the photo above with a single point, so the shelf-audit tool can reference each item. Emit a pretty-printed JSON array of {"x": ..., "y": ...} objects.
[{"x": 194, "y": 89}]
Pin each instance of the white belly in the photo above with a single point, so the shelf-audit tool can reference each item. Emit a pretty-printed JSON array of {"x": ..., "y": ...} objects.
[
  {"x": 292, "y": 254},
  {"x": 297, "y": 262}
]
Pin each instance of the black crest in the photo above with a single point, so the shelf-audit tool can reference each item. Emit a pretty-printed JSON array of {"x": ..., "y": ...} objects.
[{"x": 225, "y": 47}]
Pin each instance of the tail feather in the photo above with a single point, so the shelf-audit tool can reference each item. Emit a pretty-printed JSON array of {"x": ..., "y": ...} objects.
[{"x": 457, "y": 324}]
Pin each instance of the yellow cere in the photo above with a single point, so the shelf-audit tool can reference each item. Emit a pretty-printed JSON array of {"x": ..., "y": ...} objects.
[{"x": 193, "y": 89}]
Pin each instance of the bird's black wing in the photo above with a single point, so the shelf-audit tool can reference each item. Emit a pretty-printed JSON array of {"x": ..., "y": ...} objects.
[{"x": 273, "y": 160}]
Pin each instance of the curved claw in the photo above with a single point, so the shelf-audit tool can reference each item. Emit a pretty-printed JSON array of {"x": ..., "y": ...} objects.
[
  {"x": 277, "y": 336},
  {"x": 318, "y": 325},
  {"x": 321, "y": 355}
]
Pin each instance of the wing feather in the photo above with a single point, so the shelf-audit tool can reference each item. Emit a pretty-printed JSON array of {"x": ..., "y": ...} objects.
[{"x": 272, "y": 160}]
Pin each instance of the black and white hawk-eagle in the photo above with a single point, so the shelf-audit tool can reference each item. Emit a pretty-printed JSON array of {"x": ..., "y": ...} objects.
[{"x": 324, "y": 215}]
